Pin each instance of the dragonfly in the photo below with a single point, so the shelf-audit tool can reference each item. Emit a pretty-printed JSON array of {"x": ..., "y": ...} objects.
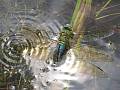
[
  {"x": 63, "y": 43},
  {"x": 76, "y": 25},
  {"x": 84, "y": 54}
]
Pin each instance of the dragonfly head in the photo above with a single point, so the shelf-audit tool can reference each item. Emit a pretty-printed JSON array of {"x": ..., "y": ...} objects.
[{"x": 67, "y": 27}]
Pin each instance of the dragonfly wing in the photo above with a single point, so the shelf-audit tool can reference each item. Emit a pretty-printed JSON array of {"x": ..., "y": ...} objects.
[
  {"x": 98, "y": 55},
  {"x": 91, "y": 54},
  {"x": 79, "y": 65},
  {"x": 91, "y": 69},
  {"x": 80, "y": 14}
]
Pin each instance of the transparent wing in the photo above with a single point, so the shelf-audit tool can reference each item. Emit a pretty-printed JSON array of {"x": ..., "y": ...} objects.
[
  {"x": 79, "y": 63},
  {"x": 80, "y": 14},
  {"x": 91, "y": 69},
  {"x": 82, "y": 60},
  {"x": 106, "y": 17},
  {"x": 91, "y": 54}
]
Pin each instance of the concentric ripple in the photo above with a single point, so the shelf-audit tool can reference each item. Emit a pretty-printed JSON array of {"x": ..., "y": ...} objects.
[
  {"x": 26, "y": 39},
  {"x": 25, "y": 42},
  {"x": 12, "y": 47},
  {"x": 27, "y": 36}
]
